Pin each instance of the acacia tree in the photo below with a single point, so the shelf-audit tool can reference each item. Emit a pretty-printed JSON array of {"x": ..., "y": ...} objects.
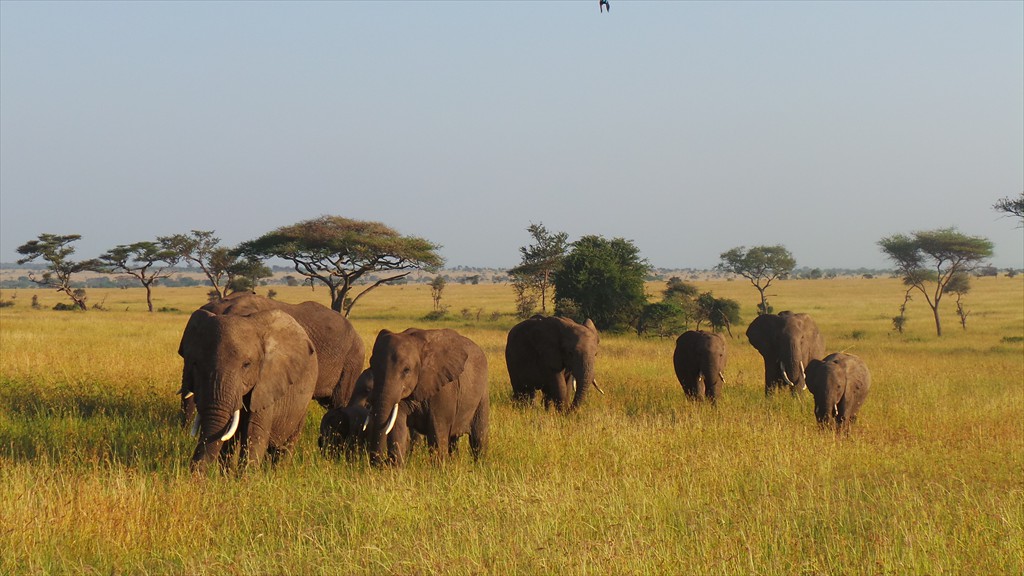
[
  {"x": 960, "y": 285},
  {"x": 540, "y": 261},
  {"x": 140, "y": 260},
  {"x": 929, "y": 260},
  {"x": 55, "y": 249},
  {"x": 1011, "y": 207},
  {"x": 203, "y": 249},
  {"x": 761, "y": 265},
  {"x": 339, "y": 251},
  {"x": 602, "y": 280}
]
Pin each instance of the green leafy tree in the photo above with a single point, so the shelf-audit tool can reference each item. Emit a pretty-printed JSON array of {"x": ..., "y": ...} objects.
[
  {"x": 720, "y": 313},
  {"x": 147, "y": 262},
  {"x": 928, "y": 261},
  {"x": 436, "y": 289},
  {"x": 663, "y": 319},
  {"x": 604, "y": 279},
  {"x": 56, "y": 250},
  {"x": 761, "y": 265},
  {"x": 202, "y": 248},
  {"x": 540, "y": 261},
  {"x": 339, "y": 251},
  {"x": 1012, "y": 207},
  {"x": 244, "y": 274}
]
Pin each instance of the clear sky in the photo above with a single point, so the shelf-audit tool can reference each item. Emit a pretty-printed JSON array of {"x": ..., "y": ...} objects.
[{"x": 686, "y": 127}]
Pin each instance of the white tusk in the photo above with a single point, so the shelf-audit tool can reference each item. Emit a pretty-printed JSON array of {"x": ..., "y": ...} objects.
[
  {"x": 366, "y": 423},
  {"x": 195, "y": 426},
  {"x": 573, "y": 384},
  {"x": 232, "y": 426},
  {"x": 803, "y": 372},
  {"x": 785, "y": 376},
  {"x": 598, "y": 387},
  {"x": 188, "y": 395},
  {"x": 391, "y": 421},
  {"x": 722, "y": 376}
]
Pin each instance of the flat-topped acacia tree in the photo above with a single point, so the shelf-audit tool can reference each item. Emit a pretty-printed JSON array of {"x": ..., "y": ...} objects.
[{"x": 339, "y": 251}]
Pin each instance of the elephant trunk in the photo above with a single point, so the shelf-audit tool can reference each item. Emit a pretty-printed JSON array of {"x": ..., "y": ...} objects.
[
  {"x": 380, "y": 421},
  {"x": 585, "y": 375},
  {"x": 214, "y": 427}
]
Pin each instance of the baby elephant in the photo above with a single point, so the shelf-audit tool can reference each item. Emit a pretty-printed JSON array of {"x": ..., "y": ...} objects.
[
  {"x": 839, "y": 384},
  {"x": 700, "y": 362}
]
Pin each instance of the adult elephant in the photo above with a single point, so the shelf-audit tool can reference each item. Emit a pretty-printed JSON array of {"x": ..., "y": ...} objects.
[
  {"x": 252, "y": 377},
  {"x": 340, "y": 350},
  {"x": 554, "y": 355},
  {"x": 787, "y": 341},
  {"x": 839, "y": 383},
  {"x": 433, "y": 382},
  {"x": 699, "y": 360}
]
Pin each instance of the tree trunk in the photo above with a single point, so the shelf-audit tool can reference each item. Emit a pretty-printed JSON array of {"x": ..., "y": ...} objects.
[
  {"x": 938, "y": 323},
  {"x": 149, "y": 297}
]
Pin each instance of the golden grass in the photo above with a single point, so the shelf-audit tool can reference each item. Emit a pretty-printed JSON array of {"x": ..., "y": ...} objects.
[{"x": 94, "y": 472}]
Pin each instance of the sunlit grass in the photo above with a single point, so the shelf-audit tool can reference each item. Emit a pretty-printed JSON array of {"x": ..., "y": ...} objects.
[{"x": 94, "y": 475}]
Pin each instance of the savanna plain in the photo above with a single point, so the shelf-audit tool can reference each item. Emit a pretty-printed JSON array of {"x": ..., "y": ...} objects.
[{"x": 94, "y": 475}]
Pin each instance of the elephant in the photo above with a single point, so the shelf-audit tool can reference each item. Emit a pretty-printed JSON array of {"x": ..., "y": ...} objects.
[
  {"x": 554, "y": 355},
  {"x": 699, "y": 361},
  {"x": 343, "y": 429},
  {"x": 788, "y": 342},
  {"x": 432, "y": 382},
  {"x": 839, "y": 384},
  {"x": 253, "y": 377},
  {"x": 340, "y": 350}
]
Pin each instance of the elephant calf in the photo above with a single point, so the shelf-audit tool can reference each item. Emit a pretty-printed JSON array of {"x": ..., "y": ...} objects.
[
  {"x": 839, "y": 384},
  {"x": 700, "y": 363}
]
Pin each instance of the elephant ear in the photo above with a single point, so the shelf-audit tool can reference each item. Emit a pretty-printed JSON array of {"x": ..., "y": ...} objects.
[
  {"x": 442, "y": 360},
  {"x": 196, "y": 336},
  {"x": 287, "y": 358}
]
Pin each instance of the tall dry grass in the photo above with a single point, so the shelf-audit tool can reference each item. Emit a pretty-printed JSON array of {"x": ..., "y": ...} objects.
[{"x": 94, "y": 475}]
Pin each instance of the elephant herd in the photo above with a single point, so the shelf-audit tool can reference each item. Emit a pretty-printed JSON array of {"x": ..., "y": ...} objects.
[
  {"x": 794, "y": 357},
  {"x": 252, "y": 365}
]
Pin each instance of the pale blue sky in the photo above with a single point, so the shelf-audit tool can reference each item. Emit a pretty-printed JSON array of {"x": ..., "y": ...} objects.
[{"x": 687, "y": 127}]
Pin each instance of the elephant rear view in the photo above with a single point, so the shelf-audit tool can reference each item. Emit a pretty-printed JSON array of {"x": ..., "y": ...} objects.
[
  {"x": 840, "y": 385},
  {"x": 699, "y": 360},
  {"x": 788, "y": 342},
  {"x": 554, "y": 355},
  {"x": 433, "y": 382},
  {"x": 252, "y": 377}
]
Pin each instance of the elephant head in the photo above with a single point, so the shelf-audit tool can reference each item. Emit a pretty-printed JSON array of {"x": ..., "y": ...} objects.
[
  {"x": 343, "y": 428},
  {"x": 554, "y": 355},
  {"x": 243, "y": 363},
  {"x": 409, "y": 368},
  {"x": 787, "y": 342},
  {"x": 839, "y": 384}
]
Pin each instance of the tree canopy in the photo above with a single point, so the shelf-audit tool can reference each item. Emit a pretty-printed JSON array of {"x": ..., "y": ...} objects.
[
  {"x": 929, "y": 260},
  {"x": 203, "y": 249},
  {"x": 56, "y": 250},
  {"x": 761, "y": 265},
  {"x": 1012, "y": 207},
  {"x": 339, "y": 251},
  {"x": 540, "y": 261},
  {"x": 604, "y": 281},
  {"x": 140, "y": 260}
]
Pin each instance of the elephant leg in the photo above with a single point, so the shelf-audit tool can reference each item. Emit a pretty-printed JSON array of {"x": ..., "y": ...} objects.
[
  {"x": 523, "y": 397},
  {"x": 557, "y": 391},
  {"x": 478, "y": 429},
  {"x": 772, "y": 376}
]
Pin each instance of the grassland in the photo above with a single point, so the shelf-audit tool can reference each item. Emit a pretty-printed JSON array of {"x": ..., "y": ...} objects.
[{"x": 94, "y": 476}]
